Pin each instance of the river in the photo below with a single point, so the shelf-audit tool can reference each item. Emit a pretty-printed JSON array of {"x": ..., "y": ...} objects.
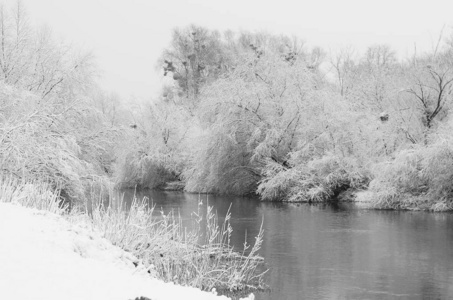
[{"x": 336, "y": 251}]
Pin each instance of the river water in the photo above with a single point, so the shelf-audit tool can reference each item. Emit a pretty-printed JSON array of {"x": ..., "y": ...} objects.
[{"x": 337, "y": 252}]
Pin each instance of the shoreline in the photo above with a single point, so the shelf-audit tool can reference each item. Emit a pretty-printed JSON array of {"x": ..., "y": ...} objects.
[
  {"x": 361, "y": 198},
  {"x": 46, "y": 256}
]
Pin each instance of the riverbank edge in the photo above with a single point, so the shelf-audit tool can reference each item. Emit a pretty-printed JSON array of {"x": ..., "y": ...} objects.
[
  {"x": 361, "y": 197},
  {"x": 366, "y": 199},
  {"x": 82, "y": 220},
  {"x": 74, "y": 241}
]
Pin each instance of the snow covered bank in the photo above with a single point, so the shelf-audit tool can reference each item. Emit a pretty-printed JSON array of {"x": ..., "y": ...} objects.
[{"x": 44, "y": 257}]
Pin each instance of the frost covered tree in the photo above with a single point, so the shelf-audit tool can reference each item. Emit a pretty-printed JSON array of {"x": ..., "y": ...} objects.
[
  {"x": 195, "y": 56},
  {"x": 153, "y": 151},
  {"x": 33, "y": 60},
  {"x": 418, "y": 174},
  {"x": 49, "y": 130},
  {"x": 431, "y": 92},
  {"x": 259, "y": 115},
  {"x": 344, "y": 68}
]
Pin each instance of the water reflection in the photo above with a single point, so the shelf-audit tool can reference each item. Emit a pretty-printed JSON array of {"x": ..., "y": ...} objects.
[{"x": 337, "y": 252}]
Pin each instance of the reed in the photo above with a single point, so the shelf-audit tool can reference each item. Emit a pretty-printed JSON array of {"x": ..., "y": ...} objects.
[
  {"x": 200, "y": 255},
  {"x": 33, "y": 194}
]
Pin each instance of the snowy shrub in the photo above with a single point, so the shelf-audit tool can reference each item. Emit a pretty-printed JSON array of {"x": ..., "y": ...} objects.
[
  {"x": 152, "y": 152},
  {"x": 419, "y": 178},
  {"x": 315, "y": 181},
  {"x": 36, "y": 143},
  {"x": 138, "y": 170},
  {"x": 221, "y": 165}
]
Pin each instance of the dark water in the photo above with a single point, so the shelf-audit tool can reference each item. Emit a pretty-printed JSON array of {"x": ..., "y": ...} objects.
[{"x": 338, "y": 252}]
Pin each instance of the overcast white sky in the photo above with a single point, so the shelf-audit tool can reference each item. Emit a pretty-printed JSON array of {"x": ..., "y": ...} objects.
[{"x": 127, "y": 36}]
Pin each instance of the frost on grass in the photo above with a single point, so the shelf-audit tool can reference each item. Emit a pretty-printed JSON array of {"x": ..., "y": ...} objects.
[
  {"x": 43, "y": 256},
  {"x": 200, "y": 256},
  {"x": 72, "y": 252}
]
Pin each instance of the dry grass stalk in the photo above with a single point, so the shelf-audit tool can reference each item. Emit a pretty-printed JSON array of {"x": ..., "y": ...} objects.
[{"x": 200, "y": 255}]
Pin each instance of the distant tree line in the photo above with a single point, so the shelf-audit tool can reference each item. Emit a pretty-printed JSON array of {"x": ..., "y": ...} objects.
[{"x": 241, "y": 113}]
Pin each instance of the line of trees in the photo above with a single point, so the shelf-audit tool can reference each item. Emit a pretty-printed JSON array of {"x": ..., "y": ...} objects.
[
  {"x": 270, "y": 116},
  {"x": 243, "y": 113}
]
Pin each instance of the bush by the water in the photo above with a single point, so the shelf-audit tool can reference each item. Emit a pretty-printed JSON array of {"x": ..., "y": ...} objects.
[
  {"x": 138, "y": 170},
  {"x": 37, "y": 143},
  {"x": 418, "y": 178},
  {"x": 316, "y": 181}
]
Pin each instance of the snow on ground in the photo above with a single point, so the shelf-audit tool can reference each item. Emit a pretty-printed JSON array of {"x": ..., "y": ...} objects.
[{"x": 44, "y": 257}]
